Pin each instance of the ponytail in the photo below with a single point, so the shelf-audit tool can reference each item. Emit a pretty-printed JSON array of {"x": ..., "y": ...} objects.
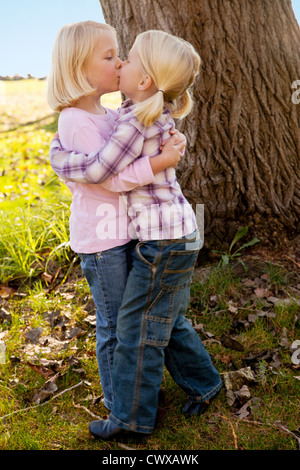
[
  {"x": 182, "y": 105},
  {"x": 148, "y": 111}
]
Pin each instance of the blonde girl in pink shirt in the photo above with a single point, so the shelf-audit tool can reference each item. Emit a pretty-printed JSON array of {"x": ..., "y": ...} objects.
[{"x": 85, "y": 66}]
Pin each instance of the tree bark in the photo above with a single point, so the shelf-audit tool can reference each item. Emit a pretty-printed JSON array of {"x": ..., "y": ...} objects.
[{"x": 242, "y": 159}]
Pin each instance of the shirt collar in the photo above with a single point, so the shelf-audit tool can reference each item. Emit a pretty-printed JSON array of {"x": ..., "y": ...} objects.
[{"x": 127, "y": 106}]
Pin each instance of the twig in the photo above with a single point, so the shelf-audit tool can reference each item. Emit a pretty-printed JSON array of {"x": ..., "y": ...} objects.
[
  {"x": 42, "y": 404},
  {"x": 291, "y": 259},
  {"x": 85, "y": 409},
  {"x": 123, "y": 446},
  {"x": 233, "y": 431},
  {"x": 278, "y": 426}
]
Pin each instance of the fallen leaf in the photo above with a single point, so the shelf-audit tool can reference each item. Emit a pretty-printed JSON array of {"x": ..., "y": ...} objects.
[
  {"x": 91, "y": 320},
  {"x": 74, "y": 332},
  {"x": 271, "y": 356},
  {"x": 40, "y": 369},
  {"x": 240, "y": 396},
  {"x": 286, "y": 302},
  {"x": 200, "y": 328},
  {"x": 234, "y": 380},
  {"x": 5, "y": 315},
  {"x": 252, "y": 317},
  {"x": 240, "y": 324},
  {"x": 232, "y": 309},
  {"x": 249, "y": 282},
  {"x": 33, "y": 335},
  {"x": 284, "y": 339},
  {"x": 231, "y": 343},
  {"x": 244, "y": 392},
  {"x": 56, "y": 318},
  {"x": 276, "y": 360},
  {"x": 67, "y": 295},
  {"x": 48, "y": 389},
  {"x": 230, "y": 397},
  {"x": 224, "y": 359},
  {"x": 47, "y": 277},
  {"x": 262, "y": 292},
  {"x": 5, "y": 292},
  {"x": 272, "y": 299},
  {"x": 243, "y": 412}
]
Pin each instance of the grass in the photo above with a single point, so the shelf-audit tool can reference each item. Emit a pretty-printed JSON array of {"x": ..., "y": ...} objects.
[{"x": 42, "y": 293}]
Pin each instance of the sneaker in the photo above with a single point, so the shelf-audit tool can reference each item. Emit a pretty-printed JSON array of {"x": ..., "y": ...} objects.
[{"x": 106, "y": 430}]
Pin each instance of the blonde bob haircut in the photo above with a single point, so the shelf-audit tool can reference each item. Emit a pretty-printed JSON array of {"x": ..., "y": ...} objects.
[
  {"x": 72, "y": 49},
  {"x": 173, "y": 65}
]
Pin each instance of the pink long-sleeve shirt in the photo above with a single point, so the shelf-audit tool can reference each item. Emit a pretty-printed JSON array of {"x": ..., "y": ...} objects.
[{"x": 98, "y": 219}]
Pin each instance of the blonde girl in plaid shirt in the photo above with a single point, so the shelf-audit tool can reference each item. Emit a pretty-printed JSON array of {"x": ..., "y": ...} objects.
[{"x": 152, "y": 330}]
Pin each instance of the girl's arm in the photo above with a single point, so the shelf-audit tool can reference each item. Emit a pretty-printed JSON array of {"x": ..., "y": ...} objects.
[
  {"x": 124, "y": 146},
  {"x": 78, "y": 167},
  {"x": 144, "y": 169},
  {"x": 138, "y": 173}
]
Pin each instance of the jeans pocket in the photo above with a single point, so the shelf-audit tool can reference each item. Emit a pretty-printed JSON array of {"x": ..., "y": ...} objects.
[
  {"x": 179, "y": 270},
  {"x": 149, "y": 255},
  {"x": 159, "y": 319}
]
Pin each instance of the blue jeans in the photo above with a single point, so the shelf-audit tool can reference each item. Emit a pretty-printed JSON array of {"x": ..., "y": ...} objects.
[
  {"x": 152, "y": 331},
  {"x": 106, "y": 273}
]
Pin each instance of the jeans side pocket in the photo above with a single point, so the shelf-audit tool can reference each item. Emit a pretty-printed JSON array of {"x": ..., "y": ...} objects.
[
  {"x": 179, "y": 270},
  {"x": 159, "y": 319}
]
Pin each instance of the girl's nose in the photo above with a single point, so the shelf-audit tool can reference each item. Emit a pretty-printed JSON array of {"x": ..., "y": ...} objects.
[{"x": 119, "y": 63}]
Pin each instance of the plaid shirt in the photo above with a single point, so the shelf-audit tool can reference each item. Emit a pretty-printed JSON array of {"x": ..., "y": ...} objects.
[{"x": 156, "y": 211}]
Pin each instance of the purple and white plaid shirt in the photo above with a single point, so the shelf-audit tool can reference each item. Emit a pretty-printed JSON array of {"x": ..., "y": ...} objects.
[{"x": 157, "y": 211}]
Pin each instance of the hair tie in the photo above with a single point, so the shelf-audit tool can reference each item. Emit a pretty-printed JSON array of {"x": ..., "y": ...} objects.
[{"x": 162, "y": 91}]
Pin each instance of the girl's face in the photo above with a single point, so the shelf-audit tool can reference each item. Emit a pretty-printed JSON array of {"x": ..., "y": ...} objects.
[
  {"x": 103, "y": 68},
  {"x": 131, "y": 75}
]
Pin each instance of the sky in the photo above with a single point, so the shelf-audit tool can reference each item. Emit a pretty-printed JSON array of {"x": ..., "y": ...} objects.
[{"x": 28, "y": 30}]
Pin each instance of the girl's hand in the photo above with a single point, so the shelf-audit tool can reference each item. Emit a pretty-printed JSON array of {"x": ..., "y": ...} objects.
[
  {"x": 172, "y": 151},
  {"x": 176, "y": 138}
]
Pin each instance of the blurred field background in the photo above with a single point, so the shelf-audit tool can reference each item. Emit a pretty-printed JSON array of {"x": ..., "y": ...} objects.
[
  {"x": 34, "y": 203},
  {"x": 25, "y": 101}
]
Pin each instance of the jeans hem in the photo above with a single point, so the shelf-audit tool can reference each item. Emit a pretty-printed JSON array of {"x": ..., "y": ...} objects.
[
  {"x": 207, "y": 396},
  {"x": 131, "y": 427}
]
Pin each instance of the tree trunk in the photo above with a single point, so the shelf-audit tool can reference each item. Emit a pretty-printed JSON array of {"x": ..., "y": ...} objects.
[{"x": 242, "y": 158}]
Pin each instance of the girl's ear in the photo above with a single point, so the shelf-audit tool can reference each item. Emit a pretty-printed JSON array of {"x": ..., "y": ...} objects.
[{"x": 145, "y": 83}]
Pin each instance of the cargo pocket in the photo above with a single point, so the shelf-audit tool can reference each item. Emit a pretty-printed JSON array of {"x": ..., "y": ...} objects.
[{"x": 158, "y": 320}]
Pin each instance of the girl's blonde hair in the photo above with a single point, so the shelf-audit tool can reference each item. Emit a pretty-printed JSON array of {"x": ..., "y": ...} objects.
[
  {"x": 73, "y": 47},
  {"x": 173, "y": 65}
]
